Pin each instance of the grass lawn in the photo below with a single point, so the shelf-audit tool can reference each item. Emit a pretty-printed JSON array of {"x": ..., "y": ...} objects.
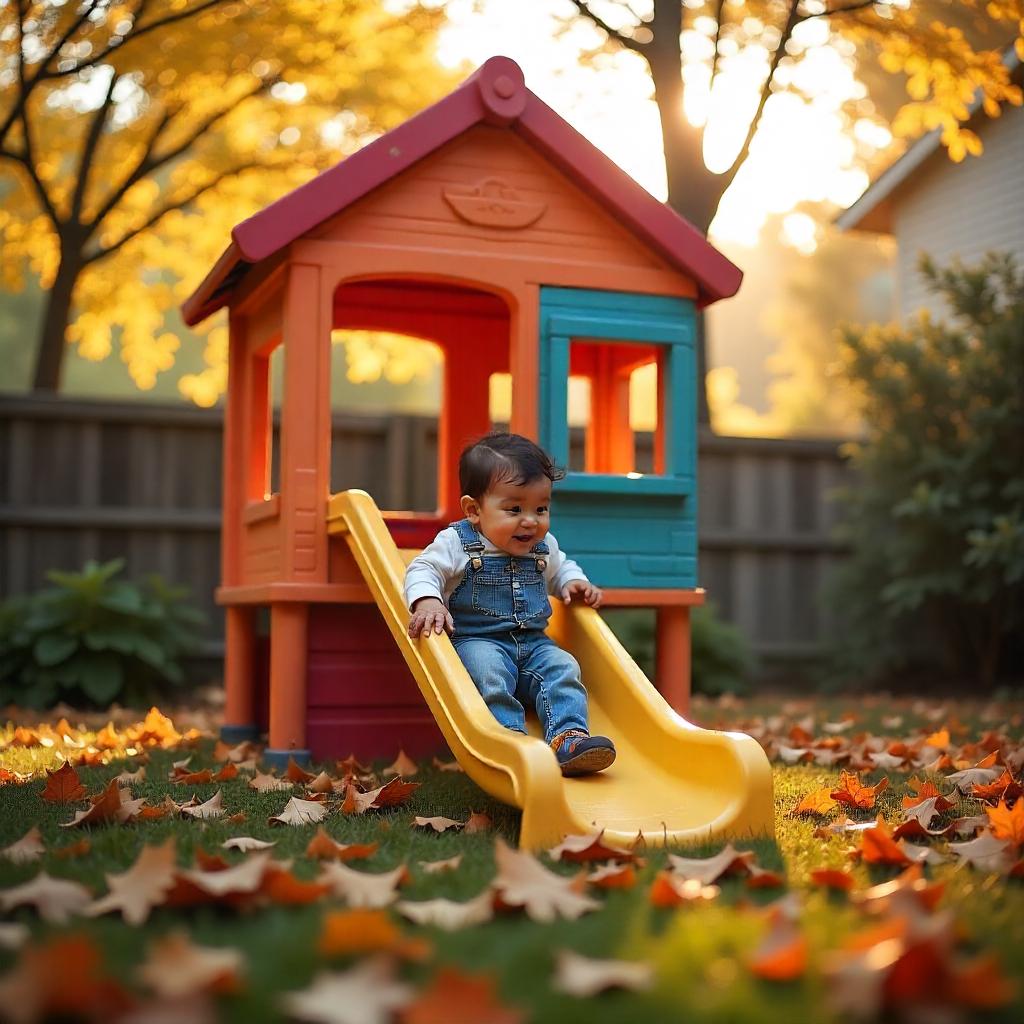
[{"x": 700, "y": 952}]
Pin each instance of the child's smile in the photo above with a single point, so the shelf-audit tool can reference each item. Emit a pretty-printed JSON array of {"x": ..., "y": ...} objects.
[{"x": 513, "y": 517}]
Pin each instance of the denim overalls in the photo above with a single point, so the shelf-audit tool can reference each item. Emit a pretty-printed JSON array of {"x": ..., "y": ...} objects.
[{"x": 500, "y": 609}]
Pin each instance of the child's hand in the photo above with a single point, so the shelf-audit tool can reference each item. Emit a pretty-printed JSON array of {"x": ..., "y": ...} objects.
[
  {"x": 581, "y": 588},
  {"x": 429, "y": 616}
]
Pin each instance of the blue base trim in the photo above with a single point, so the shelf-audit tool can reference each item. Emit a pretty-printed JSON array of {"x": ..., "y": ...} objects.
[
  {"x": 279, "y": 758},
  {"x": 234, "y": 734}
]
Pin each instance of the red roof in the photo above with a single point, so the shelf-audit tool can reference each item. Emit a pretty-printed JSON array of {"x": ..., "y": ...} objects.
[{"x": 495, "y": 94}]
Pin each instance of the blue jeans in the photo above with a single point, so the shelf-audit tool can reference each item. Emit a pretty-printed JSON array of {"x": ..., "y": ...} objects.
[{"x": 517, "y": 670}]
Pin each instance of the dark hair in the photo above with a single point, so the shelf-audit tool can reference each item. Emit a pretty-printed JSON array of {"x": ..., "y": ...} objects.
[{"x": 501, "y": 457}]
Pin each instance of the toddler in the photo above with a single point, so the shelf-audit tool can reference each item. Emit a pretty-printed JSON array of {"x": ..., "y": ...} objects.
[{"x": 486, "y": 580}]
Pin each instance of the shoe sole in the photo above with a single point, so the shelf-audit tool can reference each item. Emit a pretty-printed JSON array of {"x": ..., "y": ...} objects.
[{"x": 589, "y": 761}]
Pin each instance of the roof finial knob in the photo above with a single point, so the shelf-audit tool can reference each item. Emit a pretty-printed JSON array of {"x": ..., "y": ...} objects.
[{"x": 502, "y": 90}]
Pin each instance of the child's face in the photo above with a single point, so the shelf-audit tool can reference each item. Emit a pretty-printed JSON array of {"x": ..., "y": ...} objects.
[{"x": 513, "y": 517}]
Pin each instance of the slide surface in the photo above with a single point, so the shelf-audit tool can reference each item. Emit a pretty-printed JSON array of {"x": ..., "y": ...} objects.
[{"x": 672, "y": 782}]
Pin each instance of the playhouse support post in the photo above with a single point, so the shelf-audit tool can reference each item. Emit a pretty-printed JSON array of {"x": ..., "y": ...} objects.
[
  {"x": 239, "y": 707},
  {"x": 672, "y": 656},
  {"x": 288, "y": 629}
]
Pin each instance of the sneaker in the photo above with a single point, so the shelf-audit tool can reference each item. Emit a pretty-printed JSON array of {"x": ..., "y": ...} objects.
[{"x": 583, "y": 755}]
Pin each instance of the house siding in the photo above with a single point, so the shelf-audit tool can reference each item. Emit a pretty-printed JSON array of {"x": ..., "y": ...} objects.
[{"x": 961, "y": 210}]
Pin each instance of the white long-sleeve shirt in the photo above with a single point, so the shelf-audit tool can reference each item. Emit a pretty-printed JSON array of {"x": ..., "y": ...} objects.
[{"x": 438, "y": 569}]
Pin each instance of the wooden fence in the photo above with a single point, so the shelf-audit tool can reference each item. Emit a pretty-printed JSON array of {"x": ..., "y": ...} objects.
[{"x": 88, "y": 479}]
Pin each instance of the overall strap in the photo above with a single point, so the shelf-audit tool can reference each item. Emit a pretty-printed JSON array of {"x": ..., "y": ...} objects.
[
  {"x": 471, "y": 542},
  {"x": 539, "y": 551}
]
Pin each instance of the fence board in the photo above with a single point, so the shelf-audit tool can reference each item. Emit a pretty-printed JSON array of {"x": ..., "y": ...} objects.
[{"x": 83, "y": 479}]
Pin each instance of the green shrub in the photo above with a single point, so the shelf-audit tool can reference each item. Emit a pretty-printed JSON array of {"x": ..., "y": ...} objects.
[
  {"x": 936, "y": 519},
  {"x": 721, "y": 659},
  {"x": 94, "y": 638}
]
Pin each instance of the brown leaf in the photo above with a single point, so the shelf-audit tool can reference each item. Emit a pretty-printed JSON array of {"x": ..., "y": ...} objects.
[
  {"x": 143, "y": 886},
  {"x": 174, "y": 967},
  {"x": 474, "y": 995},
  {"x": 63, "y": 786},
  {"x": 830, "y": 878},
  {"x": 78, "y": 849},
  {"x": 212, "y": 808},
  {"x": 268, "y": 783},
  {"x": 878, "y": 846},
  {"x": 361, "y": 931},
  {"x": 300, "y": 812},
  {"x": 361, "y": 888},
  {"x": 228, "y": 771},
  {"x": 671, "y": 890},
  {"x": 370, "y": 985},
  {"x": 613, "y": 876},
  {"x": 28, "y": 848},
  {"x": 395, "y": 793},
  {"x": 447, "y": 914},
  {"x": 987, "y": 853},
  {"x": 447, "y": 766},
  {"x": 478, "y": 822},
  {"x": 436, "y": 867},
  {"x": 729, "y": 861},
  {"x": 583, "y": 977},
  {"x": 323, "y": 783},
  {"x": 104, "y": 807},
  {"x": 296, "y": 774},
  {"x": 323, "y": 847},
  {"x": 402, "y": 765},
  {"x": 55, "y": 899},
  {"x": 438, "y": 824},
  {"x": 246, "y": 844},
  {"x": 522, "y": 881},
  {"x": 190, "y": 778},
  {"x": 235, "y": 885},
  {"x": 586, "y": 848}
]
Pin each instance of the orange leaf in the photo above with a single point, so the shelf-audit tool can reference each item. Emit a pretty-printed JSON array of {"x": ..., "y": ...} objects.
[
  {"x": 104, "y": 807},
  {"x": 358, "y": 931},
  {"x": 229, "y": 771},
  {"x": 193, "y": 777},
  {"x": 830, "y": 878},
  {"x": 782, "y": 956},
  {"x": 323, "y": 847},
  {"x": 878, "y": 846},
  {"x": 939, "y": 740},
  {"x": 818, "y": 802},
  {"x": 63, "y": 786},
  {"x": 1006, "y": 787},
  {"x": 297, "y": 774},
  {"x": 1007, "y": 823},
  {"x": 851, "y": 791},
  {"x": 473, "y": 996},
  {"x": 982, "y": 984},
  {"x": 924, "y": 790},
  {"x": 613, "y": 876},
  {"x": 283, "y": 888}
]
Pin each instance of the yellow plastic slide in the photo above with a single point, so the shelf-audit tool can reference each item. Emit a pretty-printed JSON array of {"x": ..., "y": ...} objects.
[{"x": 671, "y": 781}]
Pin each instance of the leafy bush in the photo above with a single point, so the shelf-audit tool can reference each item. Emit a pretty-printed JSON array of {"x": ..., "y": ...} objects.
[
  {"x": 92, "y": 637},
  {"x": 936, "y": 520},
  {"x": 721, "y": 659}
]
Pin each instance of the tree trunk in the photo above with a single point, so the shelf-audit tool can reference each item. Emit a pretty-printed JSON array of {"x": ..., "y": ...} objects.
[{"x": 50, "y": 352}]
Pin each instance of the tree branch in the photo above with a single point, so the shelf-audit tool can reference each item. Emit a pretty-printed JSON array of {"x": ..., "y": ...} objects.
[
  {"x": 627, "y": 41},
  {"x": 170, "y": 208},
  {"x": 27, "y": 160},
  {"x": 92, "y": 139},
  {"x": 718, "y": 36},
  {"x": 857, "y": 5},
  {"x": 150, "y": 162},
  {"x": 792, "y": 20}
]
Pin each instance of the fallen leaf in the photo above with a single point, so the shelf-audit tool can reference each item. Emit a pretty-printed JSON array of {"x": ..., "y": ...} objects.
[
  {"x": 438, "y": 824},
  {"x": 939, "y": 740},
  {"x": 830, "y": 878},
  {"x": 395, "y": 793},
  {"x": 709, "y": 869},
  {"x": 878, "y": 846},
  {"x": 852, "y": 792},
  {"x": 782, "y": 954},
  {"x": 323, "y": 783},
  {"x": 352, "y": 766},
  {"x": 268, "y": 783},
  {"x": 198, "y": 778},
  {"x": 300, "y": 812},
  {"x": 361, "y": 888},
  {"x": 366, "y": 994},
  {"x": 478, "y": 822},
  {"x": 237, "y": 884},
  {"x": 818, "y": 802},
  {"x": 228, "y": 771},
  {"x": 104, "y": 807},
  {"x": 909, "y": 891},
  {"x": 402, "y": 765},
  {"x": 55, "y": 899},
  {"x": 296, "y": 774},
  {"x": 584, "y": 977},
  {"x": 323, "y": 847},
  {"x": 1007, "y": 823},
  {"x": 361, "y": 931},
  {"x": 246, "y": 844},
  {"x": 978, "y": 776},
  {"x": 474, "y": 997},
  {"x": 586, "y": 848},
  {"x": 127, "y": 778},
  {"x": 13, "y": 935},
  {"x": 448, "y": 914},
  {"x": 175, "y": 967},
  {"x": 143, "y": 886},
  {"x": 986, "y": 853},
  {"x": 28, "y": 848},
  {"x": 447, "y": 766},
  {"x": 522, "y": 881},
  {"x": 793, "y": 755},
  {"x": 78, "y": 849},
  {"x": 1005, "y": 788},
  {"x": 281, "y": 887},
  {"x": 212, "y": 808},
  {"x": 886, "y": 761},
  {"x": 670, "y": 890},
  {"x": 63, "y": 785},
  {"x": 436, "y": 867},
  {"x": 613, "y": 876}
]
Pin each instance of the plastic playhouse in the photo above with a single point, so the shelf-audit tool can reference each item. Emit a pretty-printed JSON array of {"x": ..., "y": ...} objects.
[{"x": 489, "y": 226}]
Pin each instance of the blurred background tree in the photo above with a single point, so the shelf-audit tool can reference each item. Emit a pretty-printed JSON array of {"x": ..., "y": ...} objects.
[
  {"x": 134, "y": 135},
  {"x": 935, "y": 580},
  {"x": 716, "y": 64}
]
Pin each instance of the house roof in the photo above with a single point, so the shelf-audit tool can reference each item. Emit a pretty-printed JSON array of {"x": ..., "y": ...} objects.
[
  {"x": 873, "y": 211},
  {"x": 495, "y": 94}
]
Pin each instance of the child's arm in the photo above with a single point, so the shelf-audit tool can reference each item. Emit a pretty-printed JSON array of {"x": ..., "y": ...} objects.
[
  {"x": 567, "y": 580},
  {"x": 426, "y": 580}
]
